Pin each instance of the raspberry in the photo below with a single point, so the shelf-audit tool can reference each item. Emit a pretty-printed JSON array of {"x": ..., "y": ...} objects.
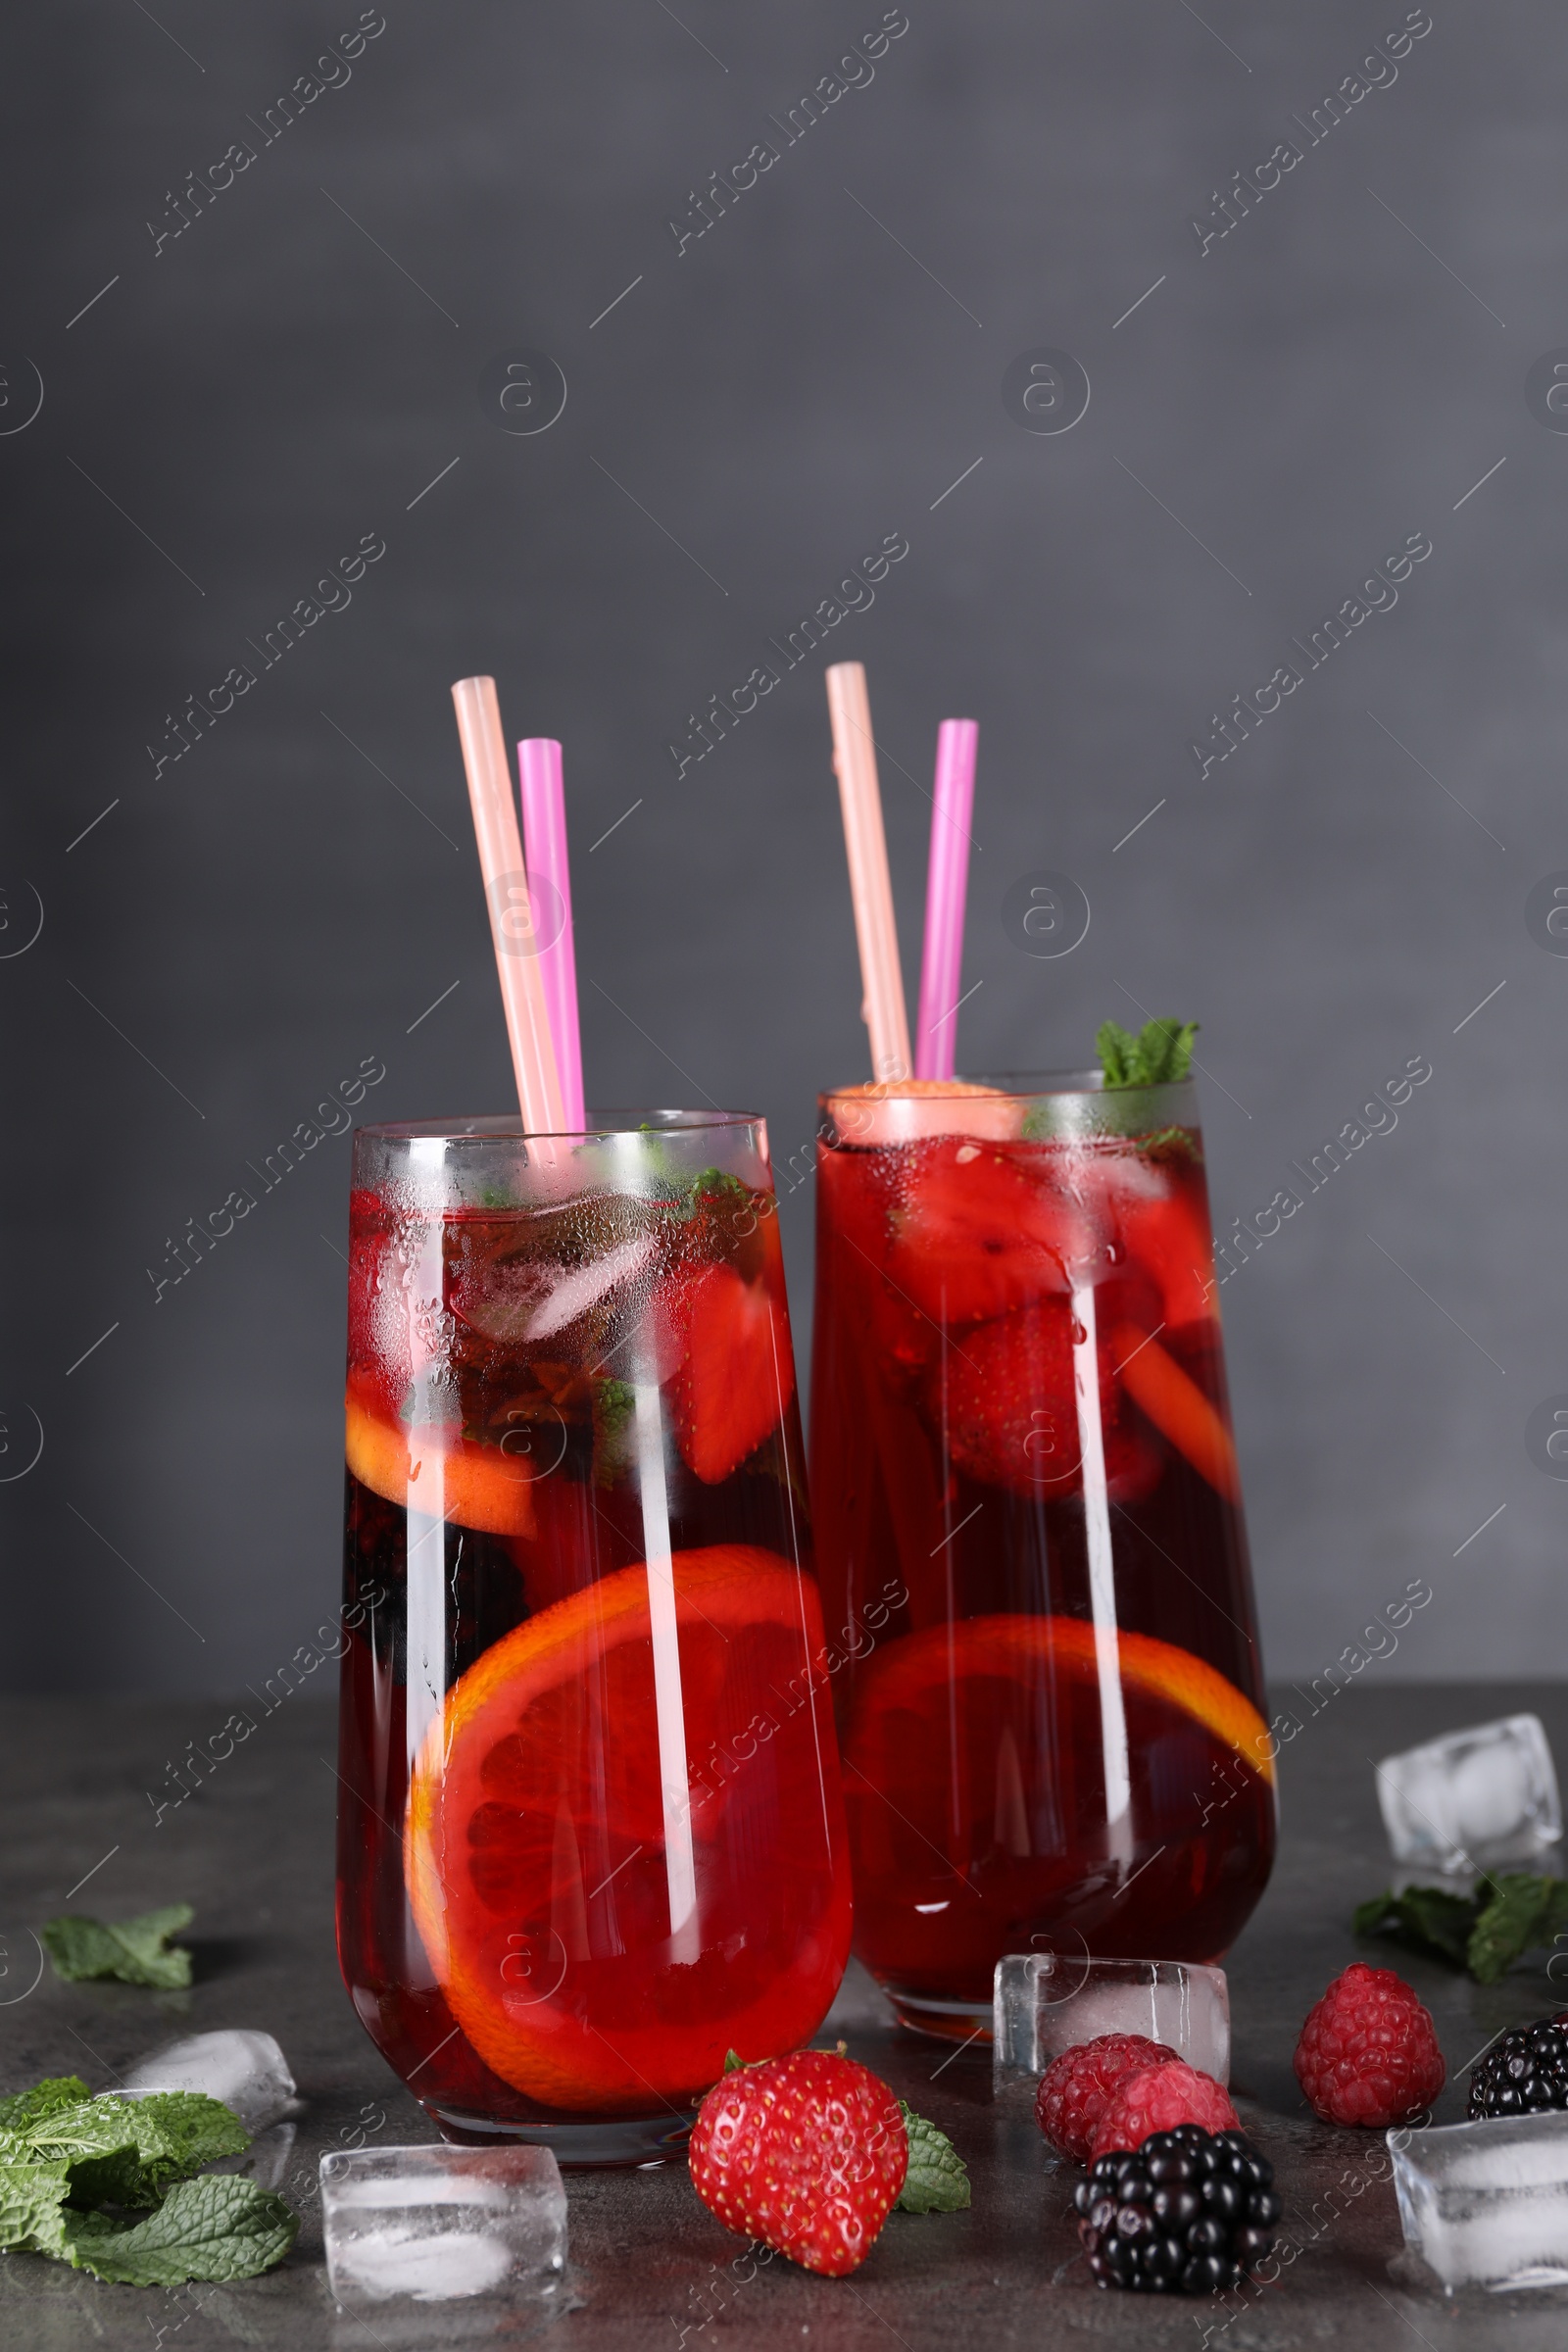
[
  {"x": 1156, "y": 2099},
  {"x": 1075, "y": 2087},
  {"x": 1368, "y": 2052}
]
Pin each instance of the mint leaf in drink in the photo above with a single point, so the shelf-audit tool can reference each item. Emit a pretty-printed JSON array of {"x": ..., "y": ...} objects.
[
  {"x": 1424, "y": 1919},
  {"x": 24, "y": 2108},
  {"x": 1523, "y": 1914},
  {"x": 222, "y": 2228},
  {"x": 1159, "y": 1056},
  {"x": 938, "y": 2180},
  {"x": 615, "y": 1429},
  {"x": 135, "y": 1950}
]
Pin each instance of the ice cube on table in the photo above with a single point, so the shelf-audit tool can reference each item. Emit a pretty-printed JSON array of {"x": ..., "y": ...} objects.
[
  {"x": 1047, "y": 2002},
  {"x": 435, "y": 2222},
  {"x": 1487, "y": 1793},
  {"x": 1486, "y": 2204},
  {"x": 244, "y": 2068}
]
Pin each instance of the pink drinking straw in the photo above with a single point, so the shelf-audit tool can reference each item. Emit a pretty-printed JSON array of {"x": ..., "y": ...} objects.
[
  {"x": 544, "y": 839},
  {"x": 936, "y": 1030},
  {"x": 881, "y": 976},
  {"x": 506, "y": 890}
]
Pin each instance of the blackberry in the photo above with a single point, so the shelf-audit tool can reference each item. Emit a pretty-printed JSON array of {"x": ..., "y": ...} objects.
[
  {"x": 1523, "y": 2071},
  {"x": 1189, "y": 2213}
]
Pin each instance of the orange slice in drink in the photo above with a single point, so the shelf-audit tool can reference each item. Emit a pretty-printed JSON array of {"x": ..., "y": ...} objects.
[
  {"x": 938, "y": 1712},
  {"x": 535, "y": 1839},
  {"x": 908, "y": 1110},
  {"x": 430, "y": 1470}
]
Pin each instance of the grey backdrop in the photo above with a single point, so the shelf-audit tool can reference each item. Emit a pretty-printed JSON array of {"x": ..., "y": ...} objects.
[{"x": 226, "y": 936}]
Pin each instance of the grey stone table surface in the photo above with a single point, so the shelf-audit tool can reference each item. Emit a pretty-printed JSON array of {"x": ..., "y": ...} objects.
[{"x": 650, "y": 2267}]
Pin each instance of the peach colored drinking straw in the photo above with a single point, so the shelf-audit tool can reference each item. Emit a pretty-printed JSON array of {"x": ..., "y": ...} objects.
[
  {"x": 947, "y": 878},
  {"x": 506, "y": 890},
  {"x": 544, "y": 841},
  {"x": 881, "y": 979}
]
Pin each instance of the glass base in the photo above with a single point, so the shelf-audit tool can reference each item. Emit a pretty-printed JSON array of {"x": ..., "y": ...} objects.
[
  {"x": 611, "y": 2139},
  {"x": 940, "y": 2018}
]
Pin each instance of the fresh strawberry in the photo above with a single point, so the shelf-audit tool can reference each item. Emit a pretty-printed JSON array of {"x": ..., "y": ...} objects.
[
  {"x": 974, "y": 1234},
  {"x": 807, "y": 2153},
  {"x": 734, "y": 1373}
]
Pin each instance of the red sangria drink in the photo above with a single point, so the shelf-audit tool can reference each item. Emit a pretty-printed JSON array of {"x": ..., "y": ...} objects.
[
  {"x": 591, "y": 1835},
  {"x": 1020, "y": 1433}
]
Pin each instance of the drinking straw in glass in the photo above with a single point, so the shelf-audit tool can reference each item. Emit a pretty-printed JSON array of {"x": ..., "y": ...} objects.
[
  {"x": 937, "y": 1027},
  {"x": 544, "y": 841},
  {"x": 506, "y": 890},
  {"x": 881, "y": 977}
]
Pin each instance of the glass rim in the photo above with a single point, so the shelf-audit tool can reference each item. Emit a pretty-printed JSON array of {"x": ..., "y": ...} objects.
[
  {"x": 1019, "y": 1086},
  {"x": 506, "y": 1127}
]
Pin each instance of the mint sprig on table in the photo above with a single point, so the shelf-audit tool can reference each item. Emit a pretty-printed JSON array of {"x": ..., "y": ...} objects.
[
  {"x": 1159, "y": 1056},
  {"x": 938, "y": 2180},
  {"x": 78, "y": 2174},
  {"x": 137, "y": 1951},
  {"x": 1484, "y": 1932}
]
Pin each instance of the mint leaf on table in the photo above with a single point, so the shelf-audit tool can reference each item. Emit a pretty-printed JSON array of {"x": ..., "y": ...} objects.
[
  {"x": 66, "y": 2157},
  {"x": 195, "y": 2129},
  {"x": 937, "y": 2180},
  {"x": 32, "y": 2199},
  {"x": 1523, "y": 1913},
  {"x": 1424, "y": 1919},
  {"x": 24, "y": 2108},
  {"x": 128, "y": 2151},
  {"x": 1484, "y": 1932},
  {"x": 1159, "y": 1056},
  {"x": 220, "y": 2227},
  {"x": 135, "y": 1950}
]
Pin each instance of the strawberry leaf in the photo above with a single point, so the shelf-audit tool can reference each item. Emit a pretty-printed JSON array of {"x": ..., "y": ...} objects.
[{"x": 938, "y": 2180}]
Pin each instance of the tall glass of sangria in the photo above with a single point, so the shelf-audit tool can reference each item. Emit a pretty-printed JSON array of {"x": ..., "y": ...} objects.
[
  {"x": 591, "y": 1834},
  {"x": 1020, "y": 1439}
]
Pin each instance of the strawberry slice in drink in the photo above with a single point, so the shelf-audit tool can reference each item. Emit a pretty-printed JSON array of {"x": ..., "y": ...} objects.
[
  {"x": 973, "y": 1234},
  {"x": 734, "y": 1369},
  {"x": 1006, "y": 1399},
  {"x": 1167, "y": 1235}
]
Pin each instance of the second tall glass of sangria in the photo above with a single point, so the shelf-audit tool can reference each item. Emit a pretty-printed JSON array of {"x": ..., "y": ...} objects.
[
  {"x": 1021, "y": 1455},
  {"x": 590, "y": 1835}
]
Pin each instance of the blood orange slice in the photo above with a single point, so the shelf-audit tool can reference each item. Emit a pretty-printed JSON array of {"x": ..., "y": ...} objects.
[
  {"x": 1018, "y": 1649},
  {"x": 535, "y": 1839},
  {"x": 437, "y": 1472}
]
